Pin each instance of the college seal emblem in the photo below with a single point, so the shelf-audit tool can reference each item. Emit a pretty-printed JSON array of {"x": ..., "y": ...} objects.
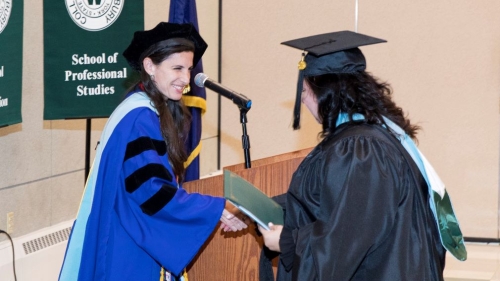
[
  {"x": 94, "y": 15},
  {"x": 5, "y": 9}
]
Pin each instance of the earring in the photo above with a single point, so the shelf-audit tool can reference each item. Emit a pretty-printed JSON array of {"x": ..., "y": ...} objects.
[
  {"x": 186, "y": 89},
  {"x": 152, "y": 77}
]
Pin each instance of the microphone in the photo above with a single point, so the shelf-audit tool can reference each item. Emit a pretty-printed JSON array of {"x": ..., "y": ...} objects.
[{"x": 201, "y": 80}]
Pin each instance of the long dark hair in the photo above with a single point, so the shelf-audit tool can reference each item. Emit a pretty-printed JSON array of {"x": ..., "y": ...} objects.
[
  {"x": 174, "y": 116},
  {"x": 352, "y": 93}
]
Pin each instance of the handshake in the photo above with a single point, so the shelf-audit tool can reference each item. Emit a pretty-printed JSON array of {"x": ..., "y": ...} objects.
[{"x": 233, "y": 219}]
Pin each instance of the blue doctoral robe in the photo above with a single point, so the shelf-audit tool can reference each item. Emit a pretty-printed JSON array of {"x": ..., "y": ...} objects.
[{"x": 134, "y": 217}]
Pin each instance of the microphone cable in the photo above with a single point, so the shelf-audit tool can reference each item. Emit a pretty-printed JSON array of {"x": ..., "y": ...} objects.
[{"x": 13, "y": 254}]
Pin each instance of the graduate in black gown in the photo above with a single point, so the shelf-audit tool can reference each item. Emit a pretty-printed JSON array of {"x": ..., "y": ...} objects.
[{"x": 364, "y": 204}]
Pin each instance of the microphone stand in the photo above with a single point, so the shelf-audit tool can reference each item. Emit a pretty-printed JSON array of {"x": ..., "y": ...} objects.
[{"x": 244, "y": 138}]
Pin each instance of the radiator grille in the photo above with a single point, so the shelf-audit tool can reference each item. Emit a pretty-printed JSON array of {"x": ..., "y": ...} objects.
[{"x": 45, "y": 241}]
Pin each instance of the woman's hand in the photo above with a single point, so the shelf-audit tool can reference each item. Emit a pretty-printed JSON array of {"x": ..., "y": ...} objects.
[
  {"x": 272, "y": 236},
  {"x": 232, "y": 219}
]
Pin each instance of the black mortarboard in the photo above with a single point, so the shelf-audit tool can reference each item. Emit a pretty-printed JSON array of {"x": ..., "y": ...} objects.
[
  {"x": 163, "y": 31},
  {"x": 335, "y": 52}
]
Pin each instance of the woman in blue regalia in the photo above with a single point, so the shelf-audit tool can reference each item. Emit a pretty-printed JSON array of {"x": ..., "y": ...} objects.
[{"x": 135, "y": 221}]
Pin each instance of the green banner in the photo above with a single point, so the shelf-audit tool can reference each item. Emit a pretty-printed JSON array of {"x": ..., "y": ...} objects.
[
  {"x": 11, "y": 61},
  {"x": 86, "y": 75}
]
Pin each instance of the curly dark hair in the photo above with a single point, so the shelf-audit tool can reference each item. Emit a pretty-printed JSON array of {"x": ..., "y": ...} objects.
[
  {"x": 174, "y": 115},
  {"x": 357, "y": 92}
]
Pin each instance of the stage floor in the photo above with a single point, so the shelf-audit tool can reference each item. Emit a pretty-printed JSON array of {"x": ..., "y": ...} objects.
[{"x": 483, "y": 263}]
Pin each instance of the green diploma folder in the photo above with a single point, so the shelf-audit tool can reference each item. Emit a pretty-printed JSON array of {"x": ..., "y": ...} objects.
[{"x": 251, "y": 201}]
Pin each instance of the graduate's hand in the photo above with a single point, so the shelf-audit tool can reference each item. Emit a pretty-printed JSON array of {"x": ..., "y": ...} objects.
[{"x": 272, "y": 236}]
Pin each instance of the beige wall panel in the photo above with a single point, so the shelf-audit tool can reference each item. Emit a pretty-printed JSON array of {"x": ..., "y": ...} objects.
[
  {"x": 155, "y": 11},
  {"x": 442, "y": 59},
  {"x": 208, "y": 21},
  {"x": 35, "y": 206},
  {"x": 208, "y": 157},
  {"x": 42, "y": 203},
  {"x": 68, "y": 145},
  {"x": 24, "y": 156},
  {"x": 97, "y": 127},
  {"x": 65, "y": 196}
]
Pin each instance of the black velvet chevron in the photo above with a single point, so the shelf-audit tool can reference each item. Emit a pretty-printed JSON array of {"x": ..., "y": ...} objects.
[
  {"x": 143, "y": 174},
  {"x": 149, "y": 171},
  {"x": 159, "y": 200},
  {"x": 142, "y": 144}
]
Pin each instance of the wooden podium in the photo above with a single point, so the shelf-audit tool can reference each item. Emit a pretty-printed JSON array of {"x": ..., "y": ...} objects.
[{"x": 235, "y": 255}]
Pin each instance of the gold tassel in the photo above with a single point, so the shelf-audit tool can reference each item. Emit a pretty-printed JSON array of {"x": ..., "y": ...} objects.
[
  {"x": 162, "y": 274},
  {"x": 302, "y": 62}
]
